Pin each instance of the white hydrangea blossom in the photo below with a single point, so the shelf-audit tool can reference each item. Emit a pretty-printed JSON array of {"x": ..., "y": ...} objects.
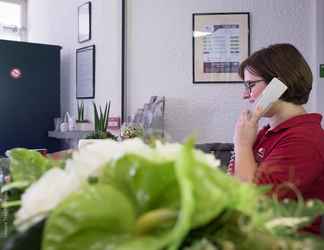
[
  {"x": 56, "y": 184},
  {"x": 286, "y": 221},
  {"x": 44, "y": 195},
  {"x": 89, "y": 160},
  {"x": 170, "y": 151}
]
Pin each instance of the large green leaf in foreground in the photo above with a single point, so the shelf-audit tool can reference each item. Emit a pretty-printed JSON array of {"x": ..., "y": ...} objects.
[
  {"x": 28, "y": 165},
  {"x": 90, "y": 219}
]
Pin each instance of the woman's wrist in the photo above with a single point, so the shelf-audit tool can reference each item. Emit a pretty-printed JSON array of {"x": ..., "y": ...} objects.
[
  {"x": 245, "y": 165},
  {"x": 246, "y": 147}
]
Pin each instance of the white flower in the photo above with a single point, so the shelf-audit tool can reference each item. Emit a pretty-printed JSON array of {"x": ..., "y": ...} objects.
[
  {"x": 56, "y": 184},
  {"x": 44, "y": 195},
  {"x": 286, "y": 221},
  {"x": 171, "y": 151},
  {"x": 208, "y": 159},
  {"x": 90, "y": 159}
]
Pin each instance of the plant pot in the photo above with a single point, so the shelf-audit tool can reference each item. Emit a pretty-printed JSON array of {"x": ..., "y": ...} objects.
[
  {"x": 95, "y": 136},
  {"x": 84, "y": 126},
  {"x": 84, "y": 142}
]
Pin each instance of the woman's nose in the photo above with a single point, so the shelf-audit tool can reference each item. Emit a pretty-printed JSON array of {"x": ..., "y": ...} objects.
[{"x": 246, "y": 94}]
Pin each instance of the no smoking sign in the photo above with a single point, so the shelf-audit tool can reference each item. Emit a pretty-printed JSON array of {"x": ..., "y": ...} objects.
[{"x": 16, "y": 73}]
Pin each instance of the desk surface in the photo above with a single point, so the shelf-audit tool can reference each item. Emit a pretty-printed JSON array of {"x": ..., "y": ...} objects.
[{"x": 72, "y": 135}]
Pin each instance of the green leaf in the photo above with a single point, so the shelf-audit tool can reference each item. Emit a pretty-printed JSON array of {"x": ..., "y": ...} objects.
[
  {"x": 8, "y": 204},
  {"x": 28, "y": 165},
  {"x": 82, "y": 111},
  {"x": 107, "y": 116},
  {"x": 14, "y": 185},
  {"x": 96, "y": 117},
  {"x": 101, "y": 119},
  {"x": 184, "y": 172},
  {"x": 98, "y": 217},
  {"x": 148, "y": 185}
]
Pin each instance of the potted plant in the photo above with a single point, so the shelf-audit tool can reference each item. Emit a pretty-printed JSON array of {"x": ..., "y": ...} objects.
[
  {"x": 101, "y": 123},
  {"x": 81, "y": 123}
]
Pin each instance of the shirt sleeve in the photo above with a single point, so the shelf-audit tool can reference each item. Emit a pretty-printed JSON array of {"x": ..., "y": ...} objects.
[{"x": 291, "y": 167}]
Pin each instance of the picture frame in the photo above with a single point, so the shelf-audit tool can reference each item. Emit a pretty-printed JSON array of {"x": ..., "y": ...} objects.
[
  {"x": 84, "y": 22},
  {"x": 85, "y": 72},
  {"x": 220, "y": 42}
]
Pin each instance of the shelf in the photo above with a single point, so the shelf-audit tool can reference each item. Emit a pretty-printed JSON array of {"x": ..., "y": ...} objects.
[{"x": 69, "y": 135}]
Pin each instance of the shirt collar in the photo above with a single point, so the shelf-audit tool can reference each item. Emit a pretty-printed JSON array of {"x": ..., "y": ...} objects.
[{"x": 297, "y": 120}]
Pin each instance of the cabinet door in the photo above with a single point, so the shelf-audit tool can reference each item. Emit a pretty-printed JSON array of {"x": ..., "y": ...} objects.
[{"x": 29, "y": 94}]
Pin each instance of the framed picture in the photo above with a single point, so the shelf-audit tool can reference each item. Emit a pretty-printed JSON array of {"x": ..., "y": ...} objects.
[
  {"x": 84, "y": 22},
  {"x": 221, "y": 41},
  {"x": 85, "y": 72}
]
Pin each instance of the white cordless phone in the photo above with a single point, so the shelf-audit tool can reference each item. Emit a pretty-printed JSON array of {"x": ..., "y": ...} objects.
[{"x": 270, "y": 94}]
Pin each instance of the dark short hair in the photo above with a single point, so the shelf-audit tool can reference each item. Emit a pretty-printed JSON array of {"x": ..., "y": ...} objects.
[{"x": 286, "y": 63}]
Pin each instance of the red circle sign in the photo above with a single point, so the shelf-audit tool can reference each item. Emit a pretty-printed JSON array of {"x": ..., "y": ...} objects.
[{"x": 15, "y": 73}]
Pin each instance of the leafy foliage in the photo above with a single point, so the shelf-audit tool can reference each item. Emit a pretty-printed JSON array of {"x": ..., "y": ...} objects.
[
  {"x": 139, "y": 203},
  {"x": 80, "y": 111},
  {"x": 101, "y": 135},
  {"x": 101, "y": 117},
  {"x": 27, "y": 166},
  {"x": 170, "y": 205}
]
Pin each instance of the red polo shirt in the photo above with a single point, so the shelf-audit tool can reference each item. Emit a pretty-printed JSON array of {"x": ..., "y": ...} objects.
[{"x": 293, "y": 152}]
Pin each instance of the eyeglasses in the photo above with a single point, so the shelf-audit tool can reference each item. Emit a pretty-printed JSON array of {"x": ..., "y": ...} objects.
[{"x": 250, "y": 84}]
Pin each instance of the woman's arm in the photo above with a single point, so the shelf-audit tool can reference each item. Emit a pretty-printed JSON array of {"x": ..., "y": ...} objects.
[
  {"x": 245, "y": 164},
  {"x": 244, "y": 138}
]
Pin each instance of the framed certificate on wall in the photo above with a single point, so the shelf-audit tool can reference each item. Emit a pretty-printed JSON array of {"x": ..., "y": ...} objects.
[
  {"x": 221, "y": 41},
  {"x": 85, "y": 72}
]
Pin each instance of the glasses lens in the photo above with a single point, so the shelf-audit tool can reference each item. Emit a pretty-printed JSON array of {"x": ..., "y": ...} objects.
[
  {"x": 250, "y": 84},
  {"x": 247, "y": 85}
]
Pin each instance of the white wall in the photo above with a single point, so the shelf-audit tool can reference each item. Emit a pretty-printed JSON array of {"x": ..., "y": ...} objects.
[
  {"x": 160, "y": 59},
  {"x": 55, "y": 22}
]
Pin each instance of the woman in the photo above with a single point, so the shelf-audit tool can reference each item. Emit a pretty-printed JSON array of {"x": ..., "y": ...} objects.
[{"x": 288, "y": 153}]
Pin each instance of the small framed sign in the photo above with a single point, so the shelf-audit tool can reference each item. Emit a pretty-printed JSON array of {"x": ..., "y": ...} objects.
[
  {"x": 321, "y": 70},
  {"x": 84, "y": 22},
  {"x": 221, "y": 41},
  {"x": 85, "y": 72}
]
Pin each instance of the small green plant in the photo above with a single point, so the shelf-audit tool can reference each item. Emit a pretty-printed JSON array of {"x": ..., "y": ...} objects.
[
  {"x": 101, "y": 118},
  {"x": 101, "y": 123},
  {"x": 101, "y": 135},
  {"x": 81, "y": 112}
]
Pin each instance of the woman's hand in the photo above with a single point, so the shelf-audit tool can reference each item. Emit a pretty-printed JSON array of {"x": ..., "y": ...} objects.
[
  {"x": 244, "y": 138},
  {"x": 246, "y": 128}
]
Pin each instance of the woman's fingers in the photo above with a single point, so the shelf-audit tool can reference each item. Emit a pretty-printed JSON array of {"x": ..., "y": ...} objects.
[
  {"x": 246, "y": 115},
  {"x": 257, "y": 114},
  {"x": 258, "y": 111}
]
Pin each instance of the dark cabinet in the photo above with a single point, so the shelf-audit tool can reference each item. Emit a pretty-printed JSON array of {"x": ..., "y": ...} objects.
[{"x": 29, "y": 94}]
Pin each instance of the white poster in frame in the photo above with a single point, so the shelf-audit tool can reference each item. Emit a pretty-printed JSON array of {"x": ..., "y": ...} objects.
[
  {"x": 221, "y": 41},
  {"x": 85, "y": 72}
]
